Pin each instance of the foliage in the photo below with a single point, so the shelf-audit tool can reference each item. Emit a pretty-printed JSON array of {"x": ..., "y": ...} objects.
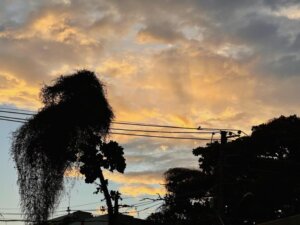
[
  {"x": 97, "y": 155},
  {"x": 261, "y": 178},
  {"x": 182, "y": 206},
  {"x": 75, "y": 110}
]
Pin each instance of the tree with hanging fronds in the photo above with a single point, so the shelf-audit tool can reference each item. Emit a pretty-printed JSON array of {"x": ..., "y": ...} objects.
[{"x": 70, "y": 128}]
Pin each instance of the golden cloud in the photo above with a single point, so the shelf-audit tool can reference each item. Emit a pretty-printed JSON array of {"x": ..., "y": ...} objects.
[
  {"x": 117, "y": 67},
  {"x": 141, "y": 189},
  {"x": 16, "y": 91},
  {"x": 73, "y": 173},
  {"x": 132, "y": 184},
  {"x": 51, "y": 26},
  {"x": 151, "y": 178}
]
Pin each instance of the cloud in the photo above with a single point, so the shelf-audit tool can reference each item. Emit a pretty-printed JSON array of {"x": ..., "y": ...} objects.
[
  {"x": 159, "y": 33},
  {"x": 132, "y": 178},
  {"x": 141, "y": 190},
  {"x": 143, "y": 177},
  {"x": 131, "y": 183},
  {"x": 118, "y": 67},
  {"x": 228, "y": 64},
  {"x": 73, "y": 173},
  {"x": 14, "y": 90}
]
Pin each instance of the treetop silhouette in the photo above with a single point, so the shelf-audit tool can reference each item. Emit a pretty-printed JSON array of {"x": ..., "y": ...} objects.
[
  {"x": 260, "y": 179},
  {"x": 72, "y": 125}
]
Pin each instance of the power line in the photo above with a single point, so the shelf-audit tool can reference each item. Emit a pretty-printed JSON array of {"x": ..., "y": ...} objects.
[
  {"x": 9, "y": 208},
  {"x": 221, "y": 129},
  {"x": 91, "y": 203},
  {"x": 138, "y": 211},
  {"x": 117, "y": 122},
  {"x": 163, "y": 131},
  {"x": 152, "y": 125},
  {"x": 167, "y": 137},
  {"x": 149, "y": 207},
  {"x": 141, "y": 204},
  {"x": 120, "y": 129},
  {"x": 5, "y": 118},
  {"x": 15, "y": 119},
  {"x": 85, "y": 204},
  {"x": 19, "y": 113},
  {"x": 199, "y": 129},
  {"x": 15, "y": 109}
]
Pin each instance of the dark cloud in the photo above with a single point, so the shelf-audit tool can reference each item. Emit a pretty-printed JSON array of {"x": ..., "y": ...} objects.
[
  {"x": 157, "y": 33},
  {"x": 285, "y": 66},
  {"x": 296, "y": 44}
]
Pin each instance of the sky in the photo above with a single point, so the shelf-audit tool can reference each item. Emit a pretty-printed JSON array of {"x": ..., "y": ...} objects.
[{"x": 209, "y": 63}]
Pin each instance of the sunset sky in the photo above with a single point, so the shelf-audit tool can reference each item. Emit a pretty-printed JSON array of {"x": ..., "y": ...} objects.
[{"x": 209, "y": 63}]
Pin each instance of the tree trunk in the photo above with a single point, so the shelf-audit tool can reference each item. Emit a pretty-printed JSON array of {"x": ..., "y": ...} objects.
[{"x": 107, "y": 199}]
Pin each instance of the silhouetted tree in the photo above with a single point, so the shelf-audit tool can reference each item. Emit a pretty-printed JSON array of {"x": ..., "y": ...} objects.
[
  {"x": 68, "y": 131},
  {"x": 185, "y": 187},
  {"x": 261, "y": 176},
  {"x": 98, "y": 155}
]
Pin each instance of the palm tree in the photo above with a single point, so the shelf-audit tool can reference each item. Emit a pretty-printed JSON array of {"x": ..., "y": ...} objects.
[{"x": 69, "y": 129}]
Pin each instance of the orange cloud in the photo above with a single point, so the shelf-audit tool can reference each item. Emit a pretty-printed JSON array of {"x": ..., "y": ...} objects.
[
  {"x": 141, "y": 189},
  {"x": 51, "y": 26},
  {"x": 131, "y": 184},
  {"x": 117, "y": 67},
  {"x": 151, "y": 178},
  {"x": 73, "y": 173},
  {"x": 16, "y": 91}
]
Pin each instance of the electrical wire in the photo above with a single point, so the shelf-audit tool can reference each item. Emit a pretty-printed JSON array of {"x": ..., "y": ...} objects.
[
  {"x": 152, "y": 125},
  {"x": 91, "y": 203},
  {"x": 200, "y": 129},
  {"x": 123, "y": 129},
  {"x": 15, "y": 109},
  {"x": 156, "y": 136},
  {"x": 138, "y": 205},
  {"x": 116, "y": 122},
  {"x": 18, "y": 113},
  {"x": 163, "y": 131},
  {"x": 138, "y": 211},
  {"x": 15, "y": 119},
  {"x": 11, "y": 120},
  {"x": 9, "y": 208},
  {"x": 142, "y": 124}
]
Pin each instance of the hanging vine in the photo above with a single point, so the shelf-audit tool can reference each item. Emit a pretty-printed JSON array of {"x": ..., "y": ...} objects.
[{"x": 75, "y": 110}]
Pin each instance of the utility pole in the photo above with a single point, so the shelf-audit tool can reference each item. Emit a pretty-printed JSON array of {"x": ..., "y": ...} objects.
[
  {"x": 220, "y": 198},
  {"x": 116, "y": 198}
]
